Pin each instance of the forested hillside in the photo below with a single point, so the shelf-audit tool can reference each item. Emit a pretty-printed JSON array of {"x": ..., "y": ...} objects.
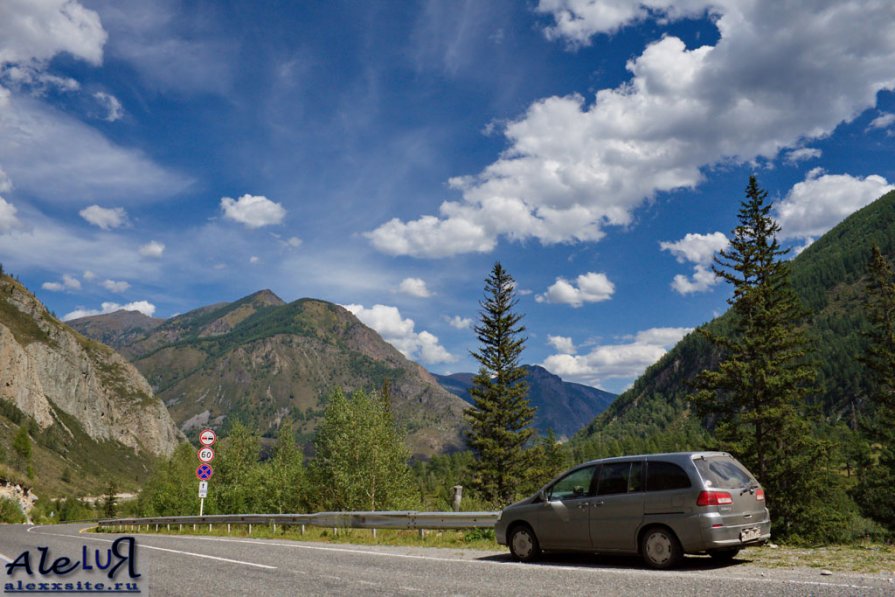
[{"x": 829, "y": 277}]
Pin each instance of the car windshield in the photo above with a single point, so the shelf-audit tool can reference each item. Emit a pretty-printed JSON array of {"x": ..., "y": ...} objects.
[{"x": 723, "y": 472}]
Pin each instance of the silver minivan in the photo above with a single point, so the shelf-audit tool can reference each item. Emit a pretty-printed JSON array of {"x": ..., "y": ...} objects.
[{"x": 660, "y": 506}]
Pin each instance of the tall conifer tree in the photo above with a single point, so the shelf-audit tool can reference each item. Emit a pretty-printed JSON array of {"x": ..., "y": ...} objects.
[
  {"x": 500, "y": 423},
  {"x": 874, "y": 492},
  {"x": 757, "y": 398}
]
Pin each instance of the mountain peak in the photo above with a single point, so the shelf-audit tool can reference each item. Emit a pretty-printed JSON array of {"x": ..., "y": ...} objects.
[{"x": 266, "y": 298}]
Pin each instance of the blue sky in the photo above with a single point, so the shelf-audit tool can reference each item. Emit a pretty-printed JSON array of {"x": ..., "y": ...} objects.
[{"x": 383, "y": 155}]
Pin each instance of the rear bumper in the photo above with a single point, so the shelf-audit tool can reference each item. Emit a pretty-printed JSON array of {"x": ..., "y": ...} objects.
[{"x": 733, "y": 536}]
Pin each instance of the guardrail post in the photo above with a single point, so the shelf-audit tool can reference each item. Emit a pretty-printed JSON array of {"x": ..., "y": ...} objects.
[
  {"x": 302, "y": 529},
  {"x": 228, "y": 528},
  {"x": 181, "y": 528},
  {"x": 374, "y": 533},
  {"x": 250, "y": 529},
  {"x": 209, "y": 527}
]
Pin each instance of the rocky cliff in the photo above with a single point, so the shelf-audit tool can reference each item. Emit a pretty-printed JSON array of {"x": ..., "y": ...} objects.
[{"x": 46, "y": 367}]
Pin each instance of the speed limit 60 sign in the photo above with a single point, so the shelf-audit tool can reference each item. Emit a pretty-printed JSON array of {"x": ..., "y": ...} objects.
[{"x": 205, "y": 455}]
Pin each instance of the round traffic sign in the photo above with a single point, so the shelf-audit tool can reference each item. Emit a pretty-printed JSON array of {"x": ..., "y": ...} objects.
[
  {"x": 204, "y": 472},
  {"x": 205, "y": 455},
  {"x": 207, "y": 437}
]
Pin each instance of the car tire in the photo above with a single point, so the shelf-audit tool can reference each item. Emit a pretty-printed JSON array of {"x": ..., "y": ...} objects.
[
  {"x": 722, "y": 556},
  {"x": 660, "y": 548},
  {"x": 523, "y": 543}
]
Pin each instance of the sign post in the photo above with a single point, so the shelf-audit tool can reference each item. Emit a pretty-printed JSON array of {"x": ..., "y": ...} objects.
[{"x": 207, "y": 438}]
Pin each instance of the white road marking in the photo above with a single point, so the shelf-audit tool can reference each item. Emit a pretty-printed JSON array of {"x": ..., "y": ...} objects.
[{"x": 144, "y": 546}]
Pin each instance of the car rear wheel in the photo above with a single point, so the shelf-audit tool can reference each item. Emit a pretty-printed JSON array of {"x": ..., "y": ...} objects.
[
  {"x": 660, "y": 548},
  {"x": 524, "y": 544},
  {"x": 724, "y": 555}
]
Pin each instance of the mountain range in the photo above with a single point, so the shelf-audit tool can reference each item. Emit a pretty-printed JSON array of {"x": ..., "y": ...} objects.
[
  {"x": 259, "y": 359},
  {"x": 562, "y": 406}
]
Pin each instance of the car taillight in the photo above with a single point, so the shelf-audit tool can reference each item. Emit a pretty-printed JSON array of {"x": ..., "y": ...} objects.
[
  {"x": 759, "y": 495},
  {"x": 714, "y": 498}
]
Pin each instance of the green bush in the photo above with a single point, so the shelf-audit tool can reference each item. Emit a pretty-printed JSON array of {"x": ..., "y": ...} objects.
[{"x": 10, "y": 511}]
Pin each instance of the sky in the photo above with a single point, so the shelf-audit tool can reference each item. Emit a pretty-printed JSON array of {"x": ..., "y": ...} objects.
[{"x": 162, "y": 156}]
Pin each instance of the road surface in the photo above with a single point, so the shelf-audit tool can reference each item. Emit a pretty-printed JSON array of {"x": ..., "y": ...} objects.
[{"x": 184, "y": 565}]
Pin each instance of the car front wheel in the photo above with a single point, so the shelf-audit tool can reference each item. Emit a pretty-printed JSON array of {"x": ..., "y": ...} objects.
[
  {"x": 524, "y": 544},
  {"x": 660, "y": 548}
]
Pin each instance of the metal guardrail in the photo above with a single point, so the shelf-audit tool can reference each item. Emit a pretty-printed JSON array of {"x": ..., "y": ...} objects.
[{"x": 407, "y": 520}]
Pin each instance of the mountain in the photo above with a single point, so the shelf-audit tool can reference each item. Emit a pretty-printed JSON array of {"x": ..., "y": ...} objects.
[
  {"x": 259, "y": 359},
  {"x": 562, "y": 406},
  {"x": 829, "y": 277},
  {"x": 118, "y": 329},
  {"x": 86, "y": 408}
]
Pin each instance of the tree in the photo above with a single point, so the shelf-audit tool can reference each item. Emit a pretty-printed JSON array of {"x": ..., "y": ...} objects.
[
  {"x": 238, "y": 475},
  {"x": 757, "y": 397},
  {"x": 500, "y": 423},
  {"x": 21, "y": 444},
  {"x": 876, "y": 478},
  {"x": 284, "y": 475},
  {"x": 110, "y": 500},
  {"x": 360, "y": 460},
  {"x": 171, "y": 489}
]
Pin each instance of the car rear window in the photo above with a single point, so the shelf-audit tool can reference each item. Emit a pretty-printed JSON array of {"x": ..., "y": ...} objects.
[{"x": 723, "y": 472}]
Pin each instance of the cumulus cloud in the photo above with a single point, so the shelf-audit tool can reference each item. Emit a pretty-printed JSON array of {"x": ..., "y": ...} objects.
[
  {"x": 253, "y": 211},
  {"x": 883, "y": 121},
  {"x": 400, "y": 333},
  {"x": 698, "y": 249},
  {"x": 460, "y": 323},
  {"x": 591, "y": 288},
  {"x": 36, "y": 31},
  {"x": 562, "y": 344},
  {"x": 802, "y": 154},
  {"x": 815, "y": 205},
  {"x": 105, "y": 217},
  {"x": 8, "y": 219},
  {"x": 110, "y": 104},
  {"x": 68, "y": 283},
  {"x": 5, "y": 182},
  {"x": 113, "y": 286},
  {"x": 616, "y": 361},
  {"x": 152, "y": 249},
  {"x": 414, "y": 287},
  {"x": 294, "y": 242},
  {"x": 781, "y": 74},
  {"x": 144, "y": 307}
]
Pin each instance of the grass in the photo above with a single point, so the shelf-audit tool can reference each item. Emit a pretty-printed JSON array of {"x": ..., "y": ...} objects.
[
  {"x": 866, "y": 558},
  {"x": 456, "y": 539}
]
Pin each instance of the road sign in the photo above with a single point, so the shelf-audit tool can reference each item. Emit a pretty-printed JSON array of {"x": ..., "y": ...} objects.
[
  {"x": 204, "y": 472},
  {"x": 203, "y": 489},
  {"x": 207, "y": 437},
  {"x": 205, "y": 455}
]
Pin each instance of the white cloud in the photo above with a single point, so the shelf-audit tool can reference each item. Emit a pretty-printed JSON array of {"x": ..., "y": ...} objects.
[
  {"x": 68, "y": 283},
  {"x": 592, "y": 288},
  {"x": 563, "y": 344},
  {"x": 254, "y": 259},
  {"x": 700, "y": 250},
  {"x": 36, "y": 31},
  {"x": 399, "y": 332},
  {"x": 696, "y": 248},
  {"x": 111, "y": 105},
  {"x": 152, "y": 249},
  {"x": 105, "y": 217},
  {"x": 144, "y": 307},
  {"x": 113, "y": 286},
  {"x": 89, "y": 276},
  {"x": 460, "y": 323},
  {"x": 626, "y": 360},
  {"x": 781, "y": 75},
  {"x": 8, "y": 219},
  {"x": 294, "y": 242},
  {"x": 5, "y": 182},
  {"x": 802, "y": 154},
  {"x": 883, "y": 121},
  {"x": 414, "y": 287},
  {"x": 821, "y": 201},
  {"x": 253, "y": 211}
]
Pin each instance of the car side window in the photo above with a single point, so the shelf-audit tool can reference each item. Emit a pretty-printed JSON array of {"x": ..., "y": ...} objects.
[
  {"x": 614, "y": 478},
  {"x": 574, "y": 485},
  {"x": 661, "y": 476}
]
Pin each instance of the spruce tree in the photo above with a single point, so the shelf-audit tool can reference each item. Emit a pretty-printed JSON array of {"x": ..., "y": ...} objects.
[
  {"x": 874, "y": 492},
  {"x": 500, "y": 423},
  {"x": 757, "y": 397}
]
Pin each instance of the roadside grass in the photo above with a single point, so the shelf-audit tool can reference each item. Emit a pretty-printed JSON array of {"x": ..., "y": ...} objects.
[
  {"x": 482, "y": 539},
  {"x": 863, "y": 558},
  {"x": 867, "y": 558}
]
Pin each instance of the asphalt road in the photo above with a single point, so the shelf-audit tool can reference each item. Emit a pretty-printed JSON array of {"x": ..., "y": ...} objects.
[{"x": 182, "y": 565}]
